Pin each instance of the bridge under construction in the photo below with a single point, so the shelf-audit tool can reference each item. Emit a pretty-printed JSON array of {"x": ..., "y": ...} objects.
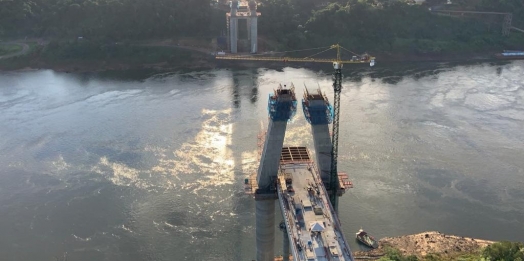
[
  {"x": 307, "y": 192},
  {"x": 311, "y": 228}
]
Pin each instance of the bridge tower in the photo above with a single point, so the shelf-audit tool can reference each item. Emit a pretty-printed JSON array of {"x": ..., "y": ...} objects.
[
  {"x": 281, "y": 108},
  {"x": 243, "y": 10},
  {"x": 319, "y": 113}
]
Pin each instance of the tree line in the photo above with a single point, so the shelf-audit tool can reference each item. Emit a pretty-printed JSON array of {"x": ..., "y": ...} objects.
[
  {"x": 499, "y": 251},
  {"x": 383, "y": 25},
  {"x": 107, "y": 19},
  {"x": 363, "y": 25}
]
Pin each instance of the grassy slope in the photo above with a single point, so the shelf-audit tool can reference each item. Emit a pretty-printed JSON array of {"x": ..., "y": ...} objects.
[{"x": 9, "y": 49}]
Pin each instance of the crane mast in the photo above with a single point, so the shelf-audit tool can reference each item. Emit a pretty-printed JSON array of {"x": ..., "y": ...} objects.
[{"x": 337, "y": 88}]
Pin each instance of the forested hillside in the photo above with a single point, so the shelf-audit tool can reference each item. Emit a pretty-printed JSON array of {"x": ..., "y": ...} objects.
[
  {"x": 516, "y": 7},
  {"x": 388, "y": 25},
  {"x": 113, "y": 19},
  {"x": 363, "y": 25}
]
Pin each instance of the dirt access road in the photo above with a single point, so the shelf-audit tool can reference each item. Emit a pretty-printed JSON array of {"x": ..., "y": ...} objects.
[{"x": 25, "y": 49}]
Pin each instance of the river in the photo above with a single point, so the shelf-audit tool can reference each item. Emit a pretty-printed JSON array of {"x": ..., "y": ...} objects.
[{"x": 133, "y": 167}]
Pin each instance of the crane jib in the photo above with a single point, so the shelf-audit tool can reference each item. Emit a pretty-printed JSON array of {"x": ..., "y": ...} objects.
[
  {"x": 370, "y": 60},
  {"x": 355, "y": 59}
]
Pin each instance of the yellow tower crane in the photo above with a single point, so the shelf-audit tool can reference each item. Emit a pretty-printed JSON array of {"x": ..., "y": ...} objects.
[
  {"x": 356, "y": 58},
  {"x": 337, "y": 87}
]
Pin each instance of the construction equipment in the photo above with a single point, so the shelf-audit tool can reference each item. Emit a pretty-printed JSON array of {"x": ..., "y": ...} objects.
[{"x": 334, "y": 185}]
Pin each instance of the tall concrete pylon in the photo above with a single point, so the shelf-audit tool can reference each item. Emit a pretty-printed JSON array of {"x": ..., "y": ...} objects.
[
  {"x": 319, "y": 113},
  {"x": 281, "y": 108},
  {"x": 243, "y": 10},
  {"x": 253, "y": 23},
  {"x": 233, "y": 27}
]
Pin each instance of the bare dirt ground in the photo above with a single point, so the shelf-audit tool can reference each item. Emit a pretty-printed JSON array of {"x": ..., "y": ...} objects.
[{"x": 425, "y": 243}]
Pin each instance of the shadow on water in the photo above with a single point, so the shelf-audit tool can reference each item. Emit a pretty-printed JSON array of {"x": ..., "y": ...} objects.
[
  {"x": 127, "y": 75},
  {"x": 245, "y": 83},
  {"x": 393, "y": 73},
  {"x": 388, "y": 72},
  {"x": 244, "y": 87}
]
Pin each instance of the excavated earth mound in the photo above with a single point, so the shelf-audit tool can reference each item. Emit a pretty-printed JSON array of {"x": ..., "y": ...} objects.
[{"x": 420, "y": 245}]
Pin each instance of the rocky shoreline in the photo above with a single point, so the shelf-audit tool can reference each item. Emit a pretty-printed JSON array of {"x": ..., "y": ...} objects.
[{"x": 423, "y": 244}]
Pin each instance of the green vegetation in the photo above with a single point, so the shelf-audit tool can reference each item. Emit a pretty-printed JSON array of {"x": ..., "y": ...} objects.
[
  {"x": 395, "y": 255},
  {"x": 500, "y": 251},
  {"x": 86, "y": 50},
  {"x": 6, "y": 49},
  {"x": 85, "y": 55},
  {"x": 505, "y": 251},
  {"x": 88, "y": 31},
  {"x": 376, "y": 26},
  {"x": 106, "y": 19},
  {"x": 387, "y": 26}
]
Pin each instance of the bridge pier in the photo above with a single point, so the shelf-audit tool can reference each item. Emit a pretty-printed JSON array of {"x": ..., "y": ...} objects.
[
  {"x": 281, "y": 108},
  {"x": 318, "y": 113},
  {"x": 265, "y": 229},
  {"x": 286, "y": 246},
  {"x": 242, "y": 10}
]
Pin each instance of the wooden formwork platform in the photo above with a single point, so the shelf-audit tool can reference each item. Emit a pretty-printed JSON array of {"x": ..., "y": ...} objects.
[{"x": 281, "y": 258}]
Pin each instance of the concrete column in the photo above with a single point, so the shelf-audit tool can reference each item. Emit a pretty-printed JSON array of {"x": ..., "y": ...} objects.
[
  {"x": 253, "y": 34},
  {"x": 281, "y": 107},
  {"x": 317, "y": 112},
  {"x": 322, "y": 141},
  {"x": 248, "y": 23},
  {"x": 233, "y": 27},
  {"x": 286, "y": 246},
  {"x": 265, "y": 229},
  {"x": 270, "y": 159},
  {"x": 233, "y": 34}
]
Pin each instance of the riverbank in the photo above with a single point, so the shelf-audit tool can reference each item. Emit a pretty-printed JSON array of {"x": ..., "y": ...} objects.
[
  {"x": 422, "y": 245},
  {"x": 169, "y": 56},
  {"x": 86, "y": 56}
]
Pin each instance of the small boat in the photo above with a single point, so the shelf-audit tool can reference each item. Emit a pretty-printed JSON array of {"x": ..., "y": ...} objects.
[
  {"x": 509, "y": 54},
  {"x": 366, "y": 239}
]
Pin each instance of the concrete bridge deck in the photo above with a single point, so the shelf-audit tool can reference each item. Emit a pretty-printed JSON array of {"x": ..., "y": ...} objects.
[{"x": 312, "y": 225}]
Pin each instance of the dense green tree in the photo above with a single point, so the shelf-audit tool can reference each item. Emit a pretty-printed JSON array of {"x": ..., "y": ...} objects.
[
  {"x": 505, "y": 251},
  {"x": 362, "y": 25},
  {"x": 113, "y": 19},
  {"x": 393, "y": 254},
  {"x": 397, "y": 26}
]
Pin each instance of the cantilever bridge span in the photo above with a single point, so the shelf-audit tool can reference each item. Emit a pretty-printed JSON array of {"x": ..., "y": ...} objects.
[{"x": 312, "y": 230}]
